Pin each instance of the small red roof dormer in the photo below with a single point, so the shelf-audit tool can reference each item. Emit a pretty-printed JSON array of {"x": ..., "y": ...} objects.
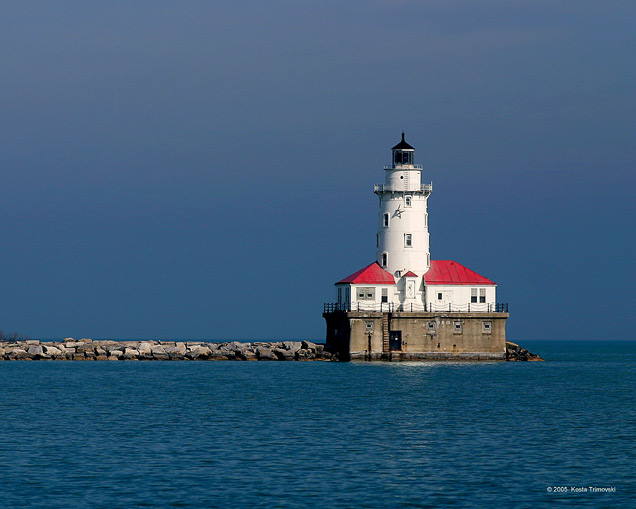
[{"x": 371, "y": 275}]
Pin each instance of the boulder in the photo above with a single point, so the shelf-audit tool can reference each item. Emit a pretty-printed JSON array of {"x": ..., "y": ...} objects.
[
  {"x": 18, "y": 353},
  {"x": 35, "y": 350},
  {"x": 284, "y": 355},
  {"x": 265, "y": 354},
  {"x": 246, "y": 354},
  {"x": 85, "y": 348},
  {"x": 308, "y": 345},
  {"x": 145, "y": 348},
  {"x": 304, "y": 354},
  {"x": 292, "y": 346},
  {"x": 115, "y": 353},
  {"x": 52, "y": 350},
  {"x": 174, "y": 352},
  {"x": 515, "y": 353},
  {"x": 131, "y": 354},
  {"x": 200, "y": 353},
  {"x": 222, "y": 355}
]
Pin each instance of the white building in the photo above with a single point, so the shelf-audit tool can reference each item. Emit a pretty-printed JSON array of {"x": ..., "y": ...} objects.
[{"x": 403, "y": 277}]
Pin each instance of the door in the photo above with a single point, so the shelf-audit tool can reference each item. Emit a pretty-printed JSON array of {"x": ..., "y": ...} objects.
[{"x": 395, "y": 340}]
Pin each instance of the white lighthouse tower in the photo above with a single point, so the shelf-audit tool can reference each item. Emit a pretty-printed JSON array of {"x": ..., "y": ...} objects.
[{"x": 402, "y": 238}]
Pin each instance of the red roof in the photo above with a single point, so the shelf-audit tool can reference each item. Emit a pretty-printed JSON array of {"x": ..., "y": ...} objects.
[
  {"x": 448, "y": 272},
  {"x": 371, "y": 275},
  {"x": 410, "y": 274}
]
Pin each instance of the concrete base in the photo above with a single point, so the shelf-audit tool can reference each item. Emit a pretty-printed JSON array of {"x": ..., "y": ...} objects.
[{"x": 403, "y": 336}]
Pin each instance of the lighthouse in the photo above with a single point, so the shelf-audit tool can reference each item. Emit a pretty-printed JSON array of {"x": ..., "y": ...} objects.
[
  {"x": 402, "y": 240},
  {"x": 404, "y": 304}
]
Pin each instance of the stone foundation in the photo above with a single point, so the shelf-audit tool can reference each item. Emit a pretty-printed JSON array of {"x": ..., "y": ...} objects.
[{"x": 417, "y": 335}]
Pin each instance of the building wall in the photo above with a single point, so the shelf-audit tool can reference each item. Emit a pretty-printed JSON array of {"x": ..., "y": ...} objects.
[
  {"x": 459, "y": 296},
  {"x": 365, "y": 303},
  {"x": 357, "y": 335}
]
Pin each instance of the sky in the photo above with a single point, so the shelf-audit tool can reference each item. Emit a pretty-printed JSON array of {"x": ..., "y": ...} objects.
[{"x": 205, "y": 170}]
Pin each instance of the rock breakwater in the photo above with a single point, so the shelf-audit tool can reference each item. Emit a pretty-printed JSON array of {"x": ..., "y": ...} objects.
[
  {"x": 515, "y": 353},
  {"x": 153, "y": 350}
]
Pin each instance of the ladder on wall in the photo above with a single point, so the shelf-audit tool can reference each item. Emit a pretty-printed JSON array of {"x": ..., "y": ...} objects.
[{"x": 385, "y": 332}]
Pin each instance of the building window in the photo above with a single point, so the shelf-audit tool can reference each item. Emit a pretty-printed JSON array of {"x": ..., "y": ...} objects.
[
  {"x": 385, "y": 222},
  {"x": 473, "y": 295},
  {"x": 430, "y": 327},
  {"x": 385, "y": 295},
  {"x": 408, "y": 240},
  {"x": 366, "y": 293},
  {"x": 482, "y": 295},
  {"x": 439, "y": 296},
  {"x": 385, "y": 259},
  {"x": 457, "y": 329},
  {"x": 407, "y": 201},
  {"x": 339, "y": 295},
  {"x": 368, "y": 326},
  {"x": 486, "y": 327}
]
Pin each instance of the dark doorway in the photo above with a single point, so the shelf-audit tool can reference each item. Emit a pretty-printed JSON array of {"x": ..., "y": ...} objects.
[{"x": 395, "y": 340}]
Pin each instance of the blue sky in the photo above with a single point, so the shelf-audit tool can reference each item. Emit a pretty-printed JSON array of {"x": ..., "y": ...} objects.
[{"x": 202, "y": 169}]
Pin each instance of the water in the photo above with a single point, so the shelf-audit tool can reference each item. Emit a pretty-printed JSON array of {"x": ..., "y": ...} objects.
[{"x": 226, "y": 434}]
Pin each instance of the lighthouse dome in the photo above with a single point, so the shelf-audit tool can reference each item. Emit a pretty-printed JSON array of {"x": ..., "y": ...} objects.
[{"x": 403, "y": 145}]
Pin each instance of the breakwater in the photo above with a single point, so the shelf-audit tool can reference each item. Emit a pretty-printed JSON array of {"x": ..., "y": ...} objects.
[{"x": 88, "y": 350}]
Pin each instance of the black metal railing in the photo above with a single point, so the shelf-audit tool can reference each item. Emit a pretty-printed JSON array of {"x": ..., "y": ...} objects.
[{"x": 390, "y": 307}]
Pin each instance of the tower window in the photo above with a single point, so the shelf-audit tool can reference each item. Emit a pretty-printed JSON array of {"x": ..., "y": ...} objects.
[
  {"x": 386, "y": 220},
  {"x": 385, "y": 295},
  {"x": 377, "y": 240},
  {"x": 439, "y": 296},
  {"x": 407, "y": 201},
  {"x": 385, "y": 259},
  {"x": 408, "y": 240}
]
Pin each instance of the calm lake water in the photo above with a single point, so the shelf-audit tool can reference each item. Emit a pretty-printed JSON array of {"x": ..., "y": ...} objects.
[{"x": 245, "y": 434}]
